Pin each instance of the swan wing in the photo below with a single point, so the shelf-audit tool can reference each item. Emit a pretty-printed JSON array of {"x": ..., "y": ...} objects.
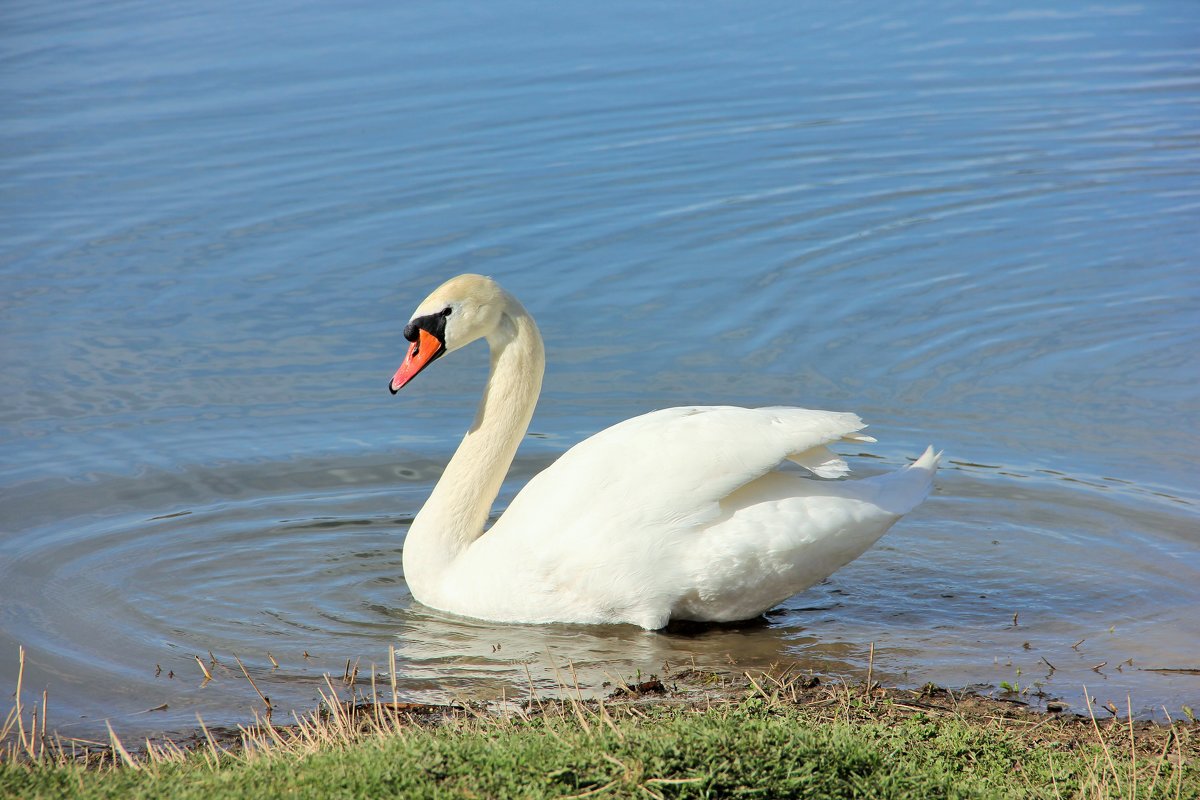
[
  {"x": 625, "y": 525},
  {"x": 676, "y": 465}
]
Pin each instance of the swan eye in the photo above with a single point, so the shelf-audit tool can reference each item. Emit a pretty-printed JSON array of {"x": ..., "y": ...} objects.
[{"x": 446, "y": 311}]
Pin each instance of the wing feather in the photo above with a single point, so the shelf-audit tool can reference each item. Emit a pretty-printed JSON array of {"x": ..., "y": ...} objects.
[{"x": 679, "y": 463}]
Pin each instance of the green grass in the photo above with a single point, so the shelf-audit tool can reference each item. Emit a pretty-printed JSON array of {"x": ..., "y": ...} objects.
[{"x": 761, "y": 746}]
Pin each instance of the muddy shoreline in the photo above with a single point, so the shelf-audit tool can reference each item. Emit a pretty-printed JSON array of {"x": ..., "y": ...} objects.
[{"x": 1045, "y": 722}]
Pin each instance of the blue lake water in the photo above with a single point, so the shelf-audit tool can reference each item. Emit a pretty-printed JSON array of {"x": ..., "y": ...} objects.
[{"x": 977, "y": 227}]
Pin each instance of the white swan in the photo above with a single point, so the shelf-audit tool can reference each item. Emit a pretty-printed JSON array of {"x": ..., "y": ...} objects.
[{"x": 676, "y": 514}]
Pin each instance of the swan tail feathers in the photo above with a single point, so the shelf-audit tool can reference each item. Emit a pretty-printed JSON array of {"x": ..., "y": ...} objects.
[
  {"x": 929, "y": 460},
  {"x": 903, "y": 490}
]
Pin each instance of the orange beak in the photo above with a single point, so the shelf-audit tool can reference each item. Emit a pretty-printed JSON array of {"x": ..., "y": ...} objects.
[{"x": 424, "y": 350}]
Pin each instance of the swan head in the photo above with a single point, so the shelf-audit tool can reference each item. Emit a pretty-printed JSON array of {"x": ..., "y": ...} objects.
[{"x": 458, "y": 312}]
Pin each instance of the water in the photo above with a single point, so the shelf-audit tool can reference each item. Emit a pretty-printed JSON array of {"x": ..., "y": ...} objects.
[{"x": 975, "y": 227}]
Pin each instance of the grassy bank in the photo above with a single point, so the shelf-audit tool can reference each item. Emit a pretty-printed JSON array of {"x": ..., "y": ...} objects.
[{"x": 694, "y": 735}]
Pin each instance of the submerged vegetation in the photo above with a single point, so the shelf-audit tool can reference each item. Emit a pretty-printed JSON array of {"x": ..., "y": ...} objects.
[{"x": 690, "y": 734}]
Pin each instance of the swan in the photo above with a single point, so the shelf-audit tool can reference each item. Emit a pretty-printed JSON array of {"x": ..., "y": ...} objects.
[{"x": 679, "y": 514}]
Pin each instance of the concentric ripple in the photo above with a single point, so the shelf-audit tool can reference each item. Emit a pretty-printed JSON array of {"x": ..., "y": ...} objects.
[{"x": 312, "y": 579}]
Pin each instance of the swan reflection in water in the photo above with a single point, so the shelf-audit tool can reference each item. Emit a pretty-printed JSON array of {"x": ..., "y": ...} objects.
[{"x": 447, "y": 657}]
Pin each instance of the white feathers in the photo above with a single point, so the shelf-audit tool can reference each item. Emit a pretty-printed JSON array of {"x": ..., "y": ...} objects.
[
  {"x": 679, "y": 513},
  {"x": 821, "y": 462}
]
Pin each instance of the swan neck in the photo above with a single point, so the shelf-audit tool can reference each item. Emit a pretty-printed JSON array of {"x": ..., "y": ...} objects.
[{"x": 457, "y": 510}]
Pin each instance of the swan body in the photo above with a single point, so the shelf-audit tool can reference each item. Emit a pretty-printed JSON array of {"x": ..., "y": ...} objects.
[{"x": 677, "y": 514}]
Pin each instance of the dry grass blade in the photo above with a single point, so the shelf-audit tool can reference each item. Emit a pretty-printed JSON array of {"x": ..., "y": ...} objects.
[
  {"x": 533, "y": 696},
  {"x": 392, "y": 670},
  {"x": 1164, "y": 756},
  {"x": 45, "y": 702},
  {"x": 377, "y": 714},
  {"x": 10, "y": 722},
  {"x": 576, "y": 706},
  {"x": 674, "y": 781},
  {"x": 207, "y": 675},
  {"x": 120, "y": 750},
  {"x": 213, "y": 751},
  {"x": 871, "y": 662},
  {"x": 758, "y": 688},
  {"x": 593, "y": 792},
  {"x": 339, "y": 716},
  {"x": 20, "y": 715},
  {"x": 1132, "y": 748},
  {"x": 1087, "y": 698},
  {"x": 263, "y": 697}
]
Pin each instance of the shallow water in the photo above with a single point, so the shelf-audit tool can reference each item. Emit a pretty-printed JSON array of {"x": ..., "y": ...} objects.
[{"x": 976, "y": 228}]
